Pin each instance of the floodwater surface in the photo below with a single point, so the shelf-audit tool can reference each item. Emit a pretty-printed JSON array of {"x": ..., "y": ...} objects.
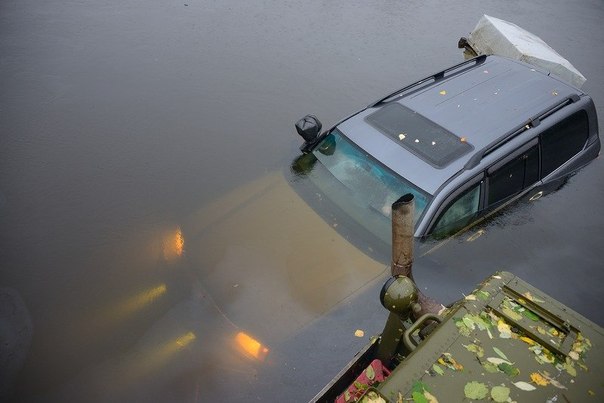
[{"x": 154, "y": 244}]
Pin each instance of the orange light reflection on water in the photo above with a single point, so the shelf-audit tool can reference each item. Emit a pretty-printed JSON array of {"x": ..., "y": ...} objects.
[
  {"x": 251, "y": 347},
  {"x": 173, "y": 244}
]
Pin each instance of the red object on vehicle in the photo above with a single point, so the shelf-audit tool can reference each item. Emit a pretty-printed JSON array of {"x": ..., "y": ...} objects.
[{"x": 380, "y": 373}]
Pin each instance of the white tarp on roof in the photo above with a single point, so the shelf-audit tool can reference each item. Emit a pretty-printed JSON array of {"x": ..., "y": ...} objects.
[{"x": 499, "y": 37}]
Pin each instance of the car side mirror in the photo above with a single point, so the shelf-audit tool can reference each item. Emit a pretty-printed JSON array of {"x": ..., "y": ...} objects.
[{"x": 309, "y": 128}]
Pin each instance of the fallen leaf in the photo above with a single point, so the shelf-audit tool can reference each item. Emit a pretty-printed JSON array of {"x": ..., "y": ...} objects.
[
  {"x": 538, "y": 379},
  {"x": 568, "y": 366},
  {"x": 490, "y": 367},
  {"x": 475, "y": 390},
  {"x": 370, "y": 372},
  {"x": 531, "y": 315},
  {"x": 443, "y": 92},
  {"x": 500, "y": 394},
  {"x": 497, "y": 361},
  {"x": 557, "y": 384},
  {"x": 524, "y": 386},
  {"x": 483, "y": 295},
  {"x": 467, "y": 320},
  {"x": 419, "y": 389},
  {"x": 508, "y": 369},
  {"x": 528, "y": 340},
  {"x": 500, "y": 353},
  {"x": 448, "y": 361},
  {"x": 479, "y": 351},
  {"x": 359, "y": 333},
  {"x": 553, "y": 381},
  {"x": 372, "y": 397},
  {"x": 436, "y": 368},
  {"x": 530, "y": 297},
  {"x": 461, "y": 327},
  {"x": 418, "y": 397},
  {"x": 419, "y": 386},
  {"x": 430, "y": 397},
  {"x": 511, "y": 314}
]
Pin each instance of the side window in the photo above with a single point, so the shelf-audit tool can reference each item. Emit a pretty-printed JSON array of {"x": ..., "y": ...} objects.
[
  {"x": 460, "y": 212},
  {"x": 513, "y": 177},
  {"x": 562, "y": 141}
]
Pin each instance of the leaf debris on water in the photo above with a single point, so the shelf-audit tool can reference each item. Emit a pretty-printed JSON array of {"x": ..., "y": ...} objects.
[
  {"x": 500, "y": 394},
  {"x": 500, "y": 353},
  {"x": 447, "y": 360},
  {"x": 539, "y": 379},
  {"x": 476, "y": 349},
  {"x": 524, "y": 386},
  {"x": 436, "y": 368},
  {"x": 475, "y": 390},
  {"x": 508, "y": 369},
  {"x": 359, "y": 333}
]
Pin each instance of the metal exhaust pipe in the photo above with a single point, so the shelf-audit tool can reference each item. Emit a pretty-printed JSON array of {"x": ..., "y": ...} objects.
[
  {"x": 403, "y": 211},
  {"x": 402, "y": 236}
]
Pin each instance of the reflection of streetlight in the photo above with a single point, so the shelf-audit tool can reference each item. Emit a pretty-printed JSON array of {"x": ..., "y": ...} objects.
[
  {"x": 173, "y": 244},
  {"x": 186, "y": 339},
  {"x": 141, "y": 300},
  {"x": 250, "y": 347},
  {"x": 160, "y": 357},
  {"x": 146, "y": 365}
]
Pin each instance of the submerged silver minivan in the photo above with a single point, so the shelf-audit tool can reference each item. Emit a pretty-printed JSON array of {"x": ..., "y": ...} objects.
[{"x": 466, "y": 142}]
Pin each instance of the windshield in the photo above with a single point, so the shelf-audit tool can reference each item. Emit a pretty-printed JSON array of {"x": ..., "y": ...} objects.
[{"x": 370, "y": 185}]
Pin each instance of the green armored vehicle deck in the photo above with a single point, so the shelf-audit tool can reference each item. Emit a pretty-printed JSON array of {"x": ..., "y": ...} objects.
[{"x": 505, "y": 342}]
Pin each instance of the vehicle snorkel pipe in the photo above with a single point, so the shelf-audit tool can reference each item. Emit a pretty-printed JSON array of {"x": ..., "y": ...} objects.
[
  {"x": 400, "y": 295},
  {"x": 402, "y": 236},
  {"x": 402, "y": 251}
]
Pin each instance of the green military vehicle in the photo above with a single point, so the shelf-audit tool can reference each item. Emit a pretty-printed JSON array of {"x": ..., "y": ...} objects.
[{"x": 505, "y": 342}]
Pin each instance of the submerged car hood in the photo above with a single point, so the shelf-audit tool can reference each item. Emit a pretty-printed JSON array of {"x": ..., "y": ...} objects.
[{"x": 269, "y": 261}]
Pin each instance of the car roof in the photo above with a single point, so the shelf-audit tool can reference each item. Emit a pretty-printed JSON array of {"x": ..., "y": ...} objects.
[{"x": 479, "y": 103}]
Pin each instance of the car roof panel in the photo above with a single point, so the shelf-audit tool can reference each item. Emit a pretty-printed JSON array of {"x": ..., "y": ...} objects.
[{"x": 481, "y": 104}]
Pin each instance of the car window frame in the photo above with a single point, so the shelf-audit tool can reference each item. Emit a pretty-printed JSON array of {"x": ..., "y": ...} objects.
[
  {"x": 495, "y": 167},
  {"x": 453, "y": 196},
  {"x": 482, "y": 178},
  {"x": 563, "y": 115}
]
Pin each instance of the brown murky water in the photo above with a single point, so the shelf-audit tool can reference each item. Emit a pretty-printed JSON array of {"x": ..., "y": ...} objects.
[{"x": 153, "y": 244}]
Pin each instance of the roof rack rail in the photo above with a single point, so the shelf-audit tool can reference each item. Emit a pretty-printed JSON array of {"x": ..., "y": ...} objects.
[
  {"x": 532, "y": 122},
  {"x": 434, "y": 77}
]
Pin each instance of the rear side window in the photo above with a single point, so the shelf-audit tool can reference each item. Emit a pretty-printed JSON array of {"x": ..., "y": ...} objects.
[
  {"x": 513, "y": 177},
  {"x": 562, "y": 141}
]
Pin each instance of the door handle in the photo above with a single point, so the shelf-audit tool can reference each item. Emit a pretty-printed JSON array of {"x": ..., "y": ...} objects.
[
  {"x": 536, "y": 196},
  {"x": 476, "y": 235}
]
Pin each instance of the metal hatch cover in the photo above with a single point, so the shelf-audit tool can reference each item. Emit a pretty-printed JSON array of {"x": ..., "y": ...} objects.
[{"x": 506, "y": 337}]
